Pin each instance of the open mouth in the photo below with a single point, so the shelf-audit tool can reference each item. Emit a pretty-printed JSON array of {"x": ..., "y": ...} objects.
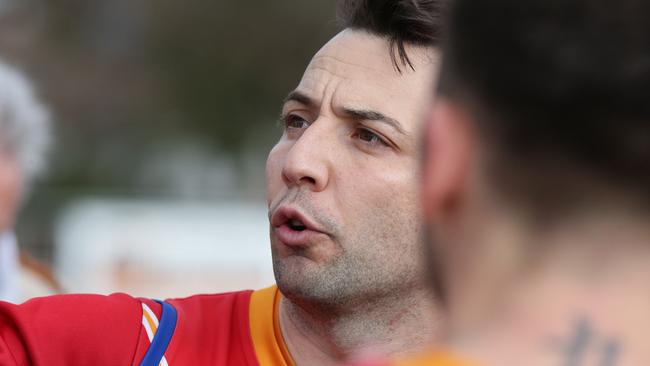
[
  {"x": 296, "y": 225},
  {"x": 293, "y": 229}
]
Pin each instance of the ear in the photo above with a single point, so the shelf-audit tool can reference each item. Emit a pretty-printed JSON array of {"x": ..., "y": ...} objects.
[{"x": 446, "y": 161}]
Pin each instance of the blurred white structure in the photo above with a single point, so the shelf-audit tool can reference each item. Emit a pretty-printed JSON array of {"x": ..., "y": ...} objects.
[{"x": 163, "y": 249}]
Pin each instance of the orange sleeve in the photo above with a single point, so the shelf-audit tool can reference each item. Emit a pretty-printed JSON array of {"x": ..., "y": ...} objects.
[
  {"x": 435, "y": 358},
  {"x": 265, "y": 328}
]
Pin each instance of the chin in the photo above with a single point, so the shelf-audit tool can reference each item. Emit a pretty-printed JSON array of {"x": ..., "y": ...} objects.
[
  {"x": 293, "y": 269},
  {"x": 310, "y": 285},
  {"x": 297, "y": 276}
]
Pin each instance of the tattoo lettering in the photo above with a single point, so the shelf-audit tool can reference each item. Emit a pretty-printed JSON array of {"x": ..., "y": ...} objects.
[{"x": 585, "y": 344}]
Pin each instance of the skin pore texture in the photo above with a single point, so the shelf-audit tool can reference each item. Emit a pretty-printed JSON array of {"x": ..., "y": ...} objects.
[
  {"x": 347, "y": 164},
  {"x": 569, "y": 290}
]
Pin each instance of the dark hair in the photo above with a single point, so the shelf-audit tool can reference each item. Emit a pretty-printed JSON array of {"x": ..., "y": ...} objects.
[
  {"x": 418, "y": 22},
  {"x": 563, "y": 82}
]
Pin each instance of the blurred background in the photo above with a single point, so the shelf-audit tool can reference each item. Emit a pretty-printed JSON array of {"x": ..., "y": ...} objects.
[{"x": 164, "y": 112}]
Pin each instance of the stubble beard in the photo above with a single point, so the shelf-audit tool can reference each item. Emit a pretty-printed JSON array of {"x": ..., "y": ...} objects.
[{"x": 378, "y": 266}]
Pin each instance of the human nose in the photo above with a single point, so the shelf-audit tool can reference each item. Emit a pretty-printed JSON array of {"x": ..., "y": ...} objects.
[{"x": 307, "y": 162}]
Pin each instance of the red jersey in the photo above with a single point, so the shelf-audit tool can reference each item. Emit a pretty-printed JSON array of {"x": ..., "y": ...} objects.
[{"x": 234, "y": 329}]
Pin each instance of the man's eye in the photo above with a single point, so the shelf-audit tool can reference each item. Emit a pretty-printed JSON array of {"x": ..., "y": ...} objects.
[
  {"x": 295, "y": 122},
  {"x": 370, "y": 138}
]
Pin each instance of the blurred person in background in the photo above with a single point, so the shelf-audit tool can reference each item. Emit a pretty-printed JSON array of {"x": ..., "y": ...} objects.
[
  {"x": 342, "y": 187},
  {"x": 536, "y": 183},
  {"x": 24, "y": 137}
]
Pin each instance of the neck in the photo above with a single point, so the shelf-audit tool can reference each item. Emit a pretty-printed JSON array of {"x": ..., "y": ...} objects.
[
  {"x": 390, "y": 326},
  {"x": 583, "y": 302}
]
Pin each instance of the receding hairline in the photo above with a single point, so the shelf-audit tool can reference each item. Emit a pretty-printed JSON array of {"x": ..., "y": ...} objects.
[
  {"x": 419, "y": 55},
  {"x": 400, "y": 22}
]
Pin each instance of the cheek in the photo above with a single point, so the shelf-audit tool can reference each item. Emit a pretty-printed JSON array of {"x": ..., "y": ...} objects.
[
  {"x": 398, "y": 180},
  {"x": 274, "y": 165},
  {"x": 384, "y": 220},
  {"x": 400, "y": 197},
  {"x": 386, "y": 192}
]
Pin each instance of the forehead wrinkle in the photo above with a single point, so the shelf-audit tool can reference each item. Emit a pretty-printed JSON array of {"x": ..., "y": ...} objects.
[
  {"x": 324, "y": 69},
  {"x": 329, "y": 93},
  {"x": 352, "y": 87},
  {"x": 359, "y": 102},
  {"x": 364, "y": 76},
  {"x": 389, "y": 73},
  {"x": 321, "y": 93}
]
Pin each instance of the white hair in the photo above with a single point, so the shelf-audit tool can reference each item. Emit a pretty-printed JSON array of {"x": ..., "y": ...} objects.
[{"x": 24, "y": 122}]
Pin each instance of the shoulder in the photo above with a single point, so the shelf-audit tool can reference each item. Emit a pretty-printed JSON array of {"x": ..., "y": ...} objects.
[
  {"x": 65, "y": 329},
  {"x": 222, "y": 300},
  {"x": 123, "y": 330},
  {"x": 223, "y": 309},
  {"x": 215, "y": 322}
]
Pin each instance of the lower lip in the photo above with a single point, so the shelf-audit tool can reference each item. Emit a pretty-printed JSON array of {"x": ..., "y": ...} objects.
[{"x": 296, "y": 238}]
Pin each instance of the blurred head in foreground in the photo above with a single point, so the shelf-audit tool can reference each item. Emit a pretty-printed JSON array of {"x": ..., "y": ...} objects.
[
  {"x": 342, "y": 180},
  {"x": 24, "y": 136},
  {"x": 537, "y": 178}
]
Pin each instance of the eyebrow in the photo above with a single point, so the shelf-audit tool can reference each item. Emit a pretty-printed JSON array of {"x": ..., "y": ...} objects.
[
  {"x": 357, "y": 114},
  {"x": 369, "y": 115},
  {"x": 299, "y": 97}
]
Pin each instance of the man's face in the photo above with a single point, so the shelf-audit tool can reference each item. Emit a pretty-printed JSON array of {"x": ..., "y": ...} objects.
[
  {"x": 10, "y": 183},
  {"x": 342, "y": 180}
]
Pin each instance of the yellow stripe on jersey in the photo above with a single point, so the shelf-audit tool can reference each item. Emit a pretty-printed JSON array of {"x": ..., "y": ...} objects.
[
  {"x": 435, "y": 358},
  {"x": 264, "y": 321},
  {"x": 150, "y": 324}
]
